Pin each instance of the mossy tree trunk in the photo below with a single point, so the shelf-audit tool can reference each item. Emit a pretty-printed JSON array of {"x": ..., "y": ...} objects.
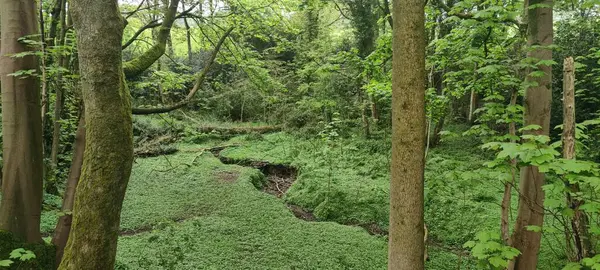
[
  {"x": 22, "y": 177},
  {"x": 140, "y": 64},
  {"x": 537, "y": 101},
  {"x": 108, "y": 153},
  {"x": 406, "y": 245}
]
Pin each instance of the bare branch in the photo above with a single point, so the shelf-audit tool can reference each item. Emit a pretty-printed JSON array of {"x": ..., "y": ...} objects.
[{"x": 199, "y": 81}]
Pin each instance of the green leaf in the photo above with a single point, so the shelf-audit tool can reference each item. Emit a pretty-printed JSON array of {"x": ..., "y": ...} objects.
[
  {"x": 572, "y": 266},
  {"x": 588, "y": 261},
  {"x": 16, "y": 253},
  {"x": 547, "y": 62},
  {"x": 533, "y": 228},
  {"x": 5, "y": 263},
  {"x": 469, "y": 244},
  {"x": 530, "y": 127},
  {"x": 29, "y": 255}
]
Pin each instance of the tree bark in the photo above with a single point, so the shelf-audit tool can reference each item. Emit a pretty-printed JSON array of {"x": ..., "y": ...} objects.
[
  {"x": 51, "y": 183},
  {"x": 406, "y": 247},
  {"x": 22, "y": 176},
  {"x": 507, "y": 196},
  {"x": 188, "y": 34},
  {"x": 138, "y": 65},
  {"x": 579, "y": 221},
  {"x": 108, "y": 153},
  {"x": 63, "y": 227},
  {"x": 537, "y": 112}
]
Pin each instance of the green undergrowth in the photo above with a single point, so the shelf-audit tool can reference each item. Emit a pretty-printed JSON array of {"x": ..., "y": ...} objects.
[
  {"x": 204, "y": 214},
  {"x": 347, "y": 180},
  {"x": 44, "y": 253}
]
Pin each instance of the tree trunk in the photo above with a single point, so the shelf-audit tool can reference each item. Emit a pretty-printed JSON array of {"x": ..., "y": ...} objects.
[
  {"x": 506, "y": 198},
  {"x": 365, "y": 120},
  {"x": 51, "y": 183},
  {"x": 63, "y": 227},
  {"x": 473, "y": 101},
  {"x": 579, "y": 221},
  {"x": 58, "y": 106},
  {"x": 374, "y": 109},
  {"x": 406, "y": 247},
  {"x": 537, "y": 112},
  {"x": 108, "y": 153},
  {"x": 22, "y": 176},
  {"x": 188, "y": 34}
]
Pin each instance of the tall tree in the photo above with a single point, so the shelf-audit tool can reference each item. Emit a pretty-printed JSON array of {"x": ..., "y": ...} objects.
[
  {"x": 538, "y": 98},
  {"x": 21, "y": 204},
  {"x": 108, "y": 153},
  {"x": 406, "y": 247}
]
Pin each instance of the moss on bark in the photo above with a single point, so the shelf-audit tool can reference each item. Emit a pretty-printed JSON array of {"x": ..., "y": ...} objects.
[{"x": 108, "y": 153}]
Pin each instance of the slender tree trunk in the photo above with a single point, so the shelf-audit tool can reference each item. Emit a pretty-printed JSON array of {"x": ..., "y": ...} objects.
[
  {"x": 43, "y": 62},
  {"x": 108, "y": 153},
  {"x": 63, "y": 227},
  {"x": 21, "y": 204},
  {"x": 365, "y": 120},
  {"x": 473, "y": 101},
  {"x": 406, "y": 247},
  {"x": 537, "y": 112},
  {"x": 51, "y": 184},
  {"x": 58, "y": 106},
  {"x": 579, "y": 221},
  {"x": 374, "y": 109},
  {"x": 507, "y": 196},
  {"x": 188, "y": 35}
]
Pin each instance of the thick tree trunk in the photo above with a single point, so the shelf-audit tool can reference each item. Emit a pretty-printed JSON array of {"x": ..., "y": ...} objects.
[
  {"x": 21, "y": 204},
  {"x": 537, "y": 112},
  {"x": 579, "y": 221},
  {"x": 109, "y": 147},
  {"x": 63, "y": 227},
  {"x": 406, "y": 247}
]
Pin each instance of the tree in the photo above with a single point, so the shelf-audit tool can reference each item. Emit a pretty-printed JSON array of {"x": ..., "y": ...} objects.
[
  {"x": 406, "y": 247},
  {"x": 108, "y": 153},
  {"x": 21, "y": 204},
  {"x": 63, "y": 227},
  {"x": 537, "y": 102}
]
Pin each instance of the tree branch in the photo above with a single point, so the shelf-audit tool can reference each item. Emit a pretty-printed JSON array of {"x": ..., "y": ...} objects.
[
  {"x": 199, "y": 81},
  {"x": 151, "y": 24},
  {"x": 138, "y": 65}
]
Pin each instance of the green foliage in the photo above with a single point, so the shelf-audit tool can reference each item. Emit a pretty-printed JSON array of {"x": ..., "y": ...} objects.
[
  {"x": 14, "y": 254},
  {"x": 199, "y": 218},
  {"x": 490, "y": 252}
]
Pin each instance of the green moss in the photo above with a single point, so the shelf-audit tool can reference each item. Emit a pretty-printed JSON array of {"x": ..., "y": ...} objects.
[{"x": 45, "y": 253}]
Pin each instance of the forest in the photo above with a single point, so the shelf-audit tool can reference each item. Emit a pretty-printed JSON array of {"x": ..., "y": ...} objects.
[{"x": 300, "y": 134}]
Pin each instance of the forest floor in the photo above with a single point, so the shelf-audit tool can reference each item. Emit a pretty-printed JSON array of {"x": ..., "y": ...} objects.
[{"x": 285, "y": 201}]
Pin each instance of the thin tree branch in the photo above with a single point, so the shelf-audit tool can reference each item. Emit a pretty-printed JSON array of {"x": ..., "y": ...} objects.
[{"x": 199, "y": 81}]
